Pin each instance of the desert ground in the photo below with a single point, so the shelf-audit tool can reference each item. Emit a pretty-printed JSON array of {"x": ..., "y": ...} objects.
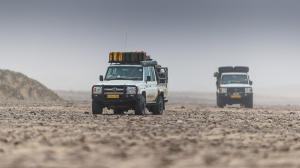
[{"x": 191, "y": 134}]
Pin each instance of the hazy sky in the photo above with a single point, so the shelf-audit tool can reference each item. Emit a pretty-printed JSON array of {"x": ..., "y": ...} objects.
[{"x": 65, "y": 43}]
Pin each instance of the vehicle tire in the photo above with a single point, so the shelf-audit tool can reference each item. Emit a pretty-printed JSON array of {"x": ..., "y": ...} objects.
[
  {"x": 118, "y": 111},
  {"x": 158, "y": 109},
  {"x": 96, "y": 108},
  {"x": 140, "y": 106},
  {"x": 249, "y": 102},
  {"x": 220, "y": 102}
]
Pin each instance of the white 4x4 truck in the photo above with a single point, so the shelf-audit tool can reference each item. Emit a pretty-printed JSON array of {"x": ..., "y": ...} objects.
[
  {"x": 234, "y": 86},
  {"x": 133, "y": 81}
]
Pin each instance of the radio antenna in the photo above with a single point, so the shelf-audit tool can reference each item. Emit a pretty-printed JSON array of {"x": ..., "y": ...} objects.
[{"x": 125, "y": 41}]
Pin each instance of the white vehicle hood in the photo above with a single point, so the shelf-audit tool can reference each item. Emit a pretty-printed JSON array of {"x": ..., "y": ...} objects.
[
  {"x": 121, "y": 82},
  {"x": 237, "y": 85}
]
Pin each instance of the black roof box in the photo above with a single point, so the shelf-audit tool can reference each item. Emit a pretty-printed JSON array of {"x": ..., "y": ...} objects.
[
  {"x": 241, "y": 69},
  {"x": 226, "y": 69},
  {"x": 233, "y": 69}
]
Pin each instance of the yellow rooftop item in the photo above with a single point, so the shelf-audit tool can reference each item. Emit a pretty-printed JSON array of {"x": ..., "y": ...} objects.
[{"x": 128, "y": 57}]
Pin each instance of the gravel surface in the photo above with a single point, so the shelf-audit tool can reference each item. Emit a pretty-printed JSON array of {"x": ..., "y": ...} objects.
[{"x": 186, "y": 136}]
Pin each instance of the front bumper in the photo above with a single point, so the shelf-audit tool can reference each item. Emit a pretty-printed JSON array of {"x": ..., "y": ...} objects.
[
  {"x": 124, "y": 101},
  {"x": 232, "y": 99}
]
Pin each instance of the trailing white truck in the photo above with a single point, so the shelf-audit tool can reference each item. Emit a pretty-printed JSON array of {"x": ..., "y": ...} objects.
[
  {"x": 234, "y": 86},
  {"x": 133, "y": 81}
]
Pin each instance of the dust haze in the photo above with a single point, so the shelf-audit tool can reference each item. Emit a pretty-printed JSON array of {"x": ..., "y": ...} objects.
[{"x": 71, "y": 40}]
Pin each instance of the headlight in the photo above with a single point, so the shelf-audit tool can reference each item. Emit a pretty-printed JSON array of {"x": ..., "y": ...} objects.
[
  {"x": 223, "y": 90},
  {"x": 131, "y": 90},
  {"x": 248, "y": 90},
  {"x": 97, "y": 90}
]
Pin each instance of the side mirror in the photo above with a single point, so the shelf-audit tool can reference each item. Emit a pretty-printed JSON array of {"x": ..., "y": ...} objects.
[
  {"x": 250, "y": 82},
  {"x": 216, "y": 74},
  {"x": 148, "y": 78},
  {"x": 101, "y": 78}
]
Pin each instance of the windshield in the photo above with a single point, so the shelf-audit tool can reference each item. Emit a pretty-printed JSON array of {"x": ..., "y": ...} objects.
[
  {"x": 124, "y": 73},
  {"x": 232, "y": 79}
]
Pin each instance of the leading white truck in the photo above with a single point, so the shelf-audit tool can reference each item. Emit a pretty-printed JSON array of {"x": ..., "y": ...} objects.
[{"x": 133, "y": 81}]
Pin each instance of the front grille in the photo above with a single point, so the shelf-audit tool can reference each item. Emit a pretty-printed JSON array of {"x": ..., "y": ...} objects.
[
  {"x": 113, "y": 90},
  {"x": 236, "y": 90}
]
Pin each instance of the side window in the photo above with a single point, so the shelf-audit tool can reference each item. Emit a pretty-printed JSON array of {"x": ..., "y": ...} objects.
[
  {"x": 152, "y": 73},
  {"x": 149, "y": 71},
  {"x": 146, "y": 72}
]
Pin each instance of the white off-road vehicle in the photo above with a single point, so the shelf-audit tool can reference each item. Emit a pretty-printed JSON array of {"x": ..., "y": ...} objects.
[
  {"x": 133, "y": 81},
  {"x": 234, "y": 86}
]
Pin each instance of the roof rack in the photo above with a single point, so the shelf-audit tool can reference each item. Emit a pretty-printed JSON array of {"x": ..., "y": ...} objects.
[
  {"x": 228, "y": 69},
  {"x": 233, "y": 69},
  {"x": 149, "y": 63},
  {"x": 128, "y": 57}
]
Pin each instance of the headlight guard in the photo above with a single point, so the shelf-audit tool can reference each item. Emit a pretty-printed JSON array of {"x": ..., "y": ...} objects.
[
  {"x": 97, "y": 90},
  {"x": 131, "y": 90},
  {"x": 248, "y": 90},
  {"x": 223, "y": 90}
]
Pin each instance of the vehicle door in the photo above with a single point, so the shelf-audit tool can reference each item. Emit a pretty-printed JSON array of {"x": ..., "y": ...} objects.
[{"x": 151, "y": 88}]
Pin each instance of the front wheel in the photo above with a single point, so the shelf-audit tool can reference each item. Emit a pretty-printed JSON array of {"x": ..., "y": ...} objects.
[
  {"x": 249, "y": 102},
  {"x": 158, "y": 109},
  {"x": 220, "y": 102},
  {"x": 96, "y": 108},
  {"x": 140, "y": 106}
]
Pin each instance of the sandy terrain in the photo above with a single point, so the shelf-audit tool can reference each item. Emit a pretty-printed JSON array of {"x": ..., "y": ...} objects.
[{"x": 66, "y": 135}]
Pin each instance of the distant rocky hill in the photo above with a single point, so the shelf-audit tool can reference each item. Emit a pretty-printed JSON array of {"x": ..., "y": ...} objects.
[{"x": 16, "y": 86}]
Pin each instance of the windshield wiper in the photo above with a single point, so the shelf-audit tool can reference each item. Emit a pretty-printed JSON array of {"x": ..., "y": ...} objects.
[
  {"x": 135, "y": 78},
  {"x": 125, "y": 78},
  {"x": 118, "y": 78}
]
